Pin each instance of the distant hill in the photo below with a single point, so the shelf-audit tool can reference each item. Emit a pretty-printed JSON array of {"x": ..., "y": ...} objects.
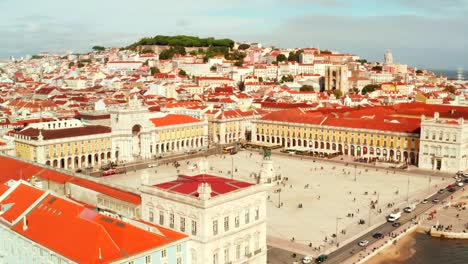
[{"x": 182, "y": 41}]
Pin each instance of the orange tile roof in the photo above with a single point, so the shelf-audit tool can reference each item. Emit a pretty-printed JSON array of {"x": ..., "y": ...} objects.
[
  {"x": 84, "y": 235},
  {"x": 21, "y": 198},
  {"x": 173, "y": 119},
  {"x": 107, "y": 190}
]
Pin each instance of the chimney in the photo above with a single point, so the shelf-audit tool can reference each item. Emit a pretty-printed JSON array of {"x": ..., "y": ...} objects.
[
  {"x": 25, "y": 223},
  {"x": 100, "y": 254}
]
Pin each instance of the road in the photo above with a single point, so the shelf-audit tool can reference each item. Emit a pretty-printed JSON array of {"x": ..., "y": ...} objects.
[{"x": 344, "y": 252}]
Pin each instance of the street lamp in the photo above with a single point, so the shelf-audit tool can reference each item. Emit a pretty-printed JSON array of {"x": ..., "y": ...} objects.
[
  {"x": 279, "y": 197},
  {"x": 336, "y": 230}
]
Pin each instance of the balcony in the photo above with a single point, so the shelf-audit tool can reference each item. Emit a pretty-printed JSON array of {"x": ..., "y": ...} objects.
[{"x": 257, "y": 251}]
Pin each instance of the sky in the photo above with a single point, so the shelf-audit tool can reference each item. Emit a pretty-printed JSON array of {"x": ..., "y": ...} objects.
[{"x": 429, "y": 34}]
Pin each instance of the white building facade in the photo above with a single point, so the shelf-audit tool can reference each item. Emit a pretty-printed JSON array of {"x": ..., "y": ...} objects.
[
  {"x": 224, "y": 227},
  {"x": 444, "y": 144}
]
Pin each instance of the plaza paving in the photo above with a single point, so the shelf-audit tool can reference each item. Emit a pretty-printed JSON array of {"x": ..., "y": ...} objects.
[{"x": 335, "y": 190}]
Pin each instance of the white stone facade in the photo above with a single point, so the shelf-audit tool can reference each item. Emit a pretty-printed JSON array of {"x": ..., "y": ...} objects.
[
  {"x": 444, "y": 144},
  {"x": 227, "y": 228}
]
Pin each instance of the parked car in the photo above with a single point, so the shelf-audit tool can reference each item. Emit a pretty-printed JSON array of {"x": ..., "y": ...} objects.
[
  {"x": 424, "y": 201},
  {"x": 109, "y": 172},
  {"x": 363, "y": 243},
  {"x": 441, "y": 191},
  {"x": 307, "y": 259},
  {"x": 409, "y": 209},
  {"x": 460, "y": 184},
  {"x": 378, "y": 235},
  {"x": 321, "y": 259},
  {"x": 396, "y": 224},
  {"x": 452, "y": 189},
  {"x": 435, "y": 200}
]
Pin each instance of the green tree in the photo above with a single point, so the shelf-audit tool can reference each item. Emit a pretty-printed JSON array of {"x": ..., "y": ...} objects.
[
  {"x": 213, "y": 68},
  {"x": 419, "y": 72},
  {"x": 287, "y": 78},
  {"x": 146, "y": 50},
  {"x": 239, "y": 63},
  {"x": 338, "y": 93},
  {"x": 154, "y": 70},
  {"x": 80, "y": 64},
  {"x": 260, "y": 79},
  {"x": 98, "y": 48},
  {"x": 377, "y": 68},
  {"x": 450, "y": 89},
  {"x": 71, "y": 64},
  {"x": 281, "y": 58},
  {"x": 362, "y": 61},
  {"x": 146, "y": 63},
  {"x": 182, "y": 72},
  {"x": 306, "y": 88},
  {"x": 243, "y": 46},
  {"x": 369, "y": 88}
]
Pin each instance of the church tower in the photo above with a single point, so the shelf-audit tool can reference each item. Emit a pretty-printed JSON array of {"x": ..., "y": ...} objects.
[{"x": 388, "y": 58}]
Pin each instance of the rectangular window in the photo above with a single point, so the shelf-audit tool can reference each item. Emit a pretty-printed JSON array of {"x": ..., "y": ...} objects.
[
  {"x": 179, "y": 248},
  {"x": 226, "y": 255},
  {"x": 226, "y": 223},
  {"x": 247, "y": 248},
  {"x": 163, "y": 254},
  {"x": 194, "y": 227},
  {"x": 171, "y": 220},
  {"x": 257, "y": 214},
  {"x": 161, "y": 217},
  {"x": 151, "y": 215},
  {"x": 215, "y": 227},
  {"x": 247, "y": 216},
  {"x": 179, "y": 260},
  {"x": 182, "y": 224},
  {"x": 237, "y": 221},
  {"x": 148, "y": 259},
  {"x": 215, "y": 258},
  {"x": 238, "y": 251}
]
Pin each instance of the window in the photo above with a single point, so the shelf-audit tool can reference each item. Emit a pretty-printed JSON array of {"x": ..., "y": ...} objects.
[
  {"x": 182, "y": 224},
  {"x": 247, "y": 248},
  {"x": 131, "y": 262},
  {"x": 226, "y": 255},
  {"x": 163, "y": 254},
  {"x": 238, "y": 251},
  {"x": 179, "y": 260},
  {"x": 247, "y": 216},
  {"x": 257, "y": 214},
  {"x": 161, "y": 217},
  {"x": 194, "y": 227},
  {"x": 215, "y": 227},
  {"x": 179, "y": 248},
  {"x": 215, "y": 258},
  {"x": 171, "y": 220},
  {"x": 237, "y": 221},
  {"x": 148, "y": 259},
  {"x": 151, "y": 215},
  {"x": 226, "y": 223}
]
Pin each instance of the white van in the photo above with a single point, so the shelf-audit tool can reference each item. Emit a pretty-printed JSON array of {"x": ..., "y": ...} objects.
[{"x": 393, "y": 217}]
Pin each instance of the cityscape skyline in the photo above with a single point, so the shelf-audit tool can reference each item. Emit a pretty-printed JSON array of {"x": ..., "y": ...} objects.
[{"x": 368, "y": 27}]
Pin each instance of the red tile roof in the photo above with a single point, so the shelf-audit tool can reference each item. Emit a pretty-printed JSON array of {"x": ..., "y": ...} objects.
[
  {"x": 20, "y": 199},
  {"x": 65, "y": 132},
  {"x": 173, "y": 119},
  {"x": 107, "y": 190},
  {"x": 85, "y": 236},
  {"x": 188, "y": 185}
]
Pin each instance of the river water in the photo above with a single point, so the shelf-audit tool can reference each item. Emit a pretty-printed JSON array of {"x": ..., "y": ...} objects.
[{"x": 429, "y": 250}]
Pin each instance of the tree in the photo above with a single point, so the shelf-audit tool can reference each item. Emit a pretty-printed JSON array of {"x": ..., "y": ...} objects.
[
  {"x": 377, "y": 68},
  {"x": 281, "y": 58},
  {"x": 355, "y": 90},
  {"x": 80, "y": 64},
  {"x": 239, "y": 63},
  {"x": 243, "y": 46},
  {"x": 362, "y": 61},
  {"x": 450, "y": 89},
  {"x": 71, "y": 64},
  {"x": 338, "y": 93},
  {"x": 419, "y": 72},
  {"x": 294, "y": 56},
  {"x": 325, "y": 52},
  {"x": 306, "y": 88},
  {"x": 369, "y": 88},
  {"x": 287, "y": 78},
  {"x": 260, "y": 79},
  {"x": 242, "y": 86},
  {"x": 154, "y": 70},
  {"x": 146, "y": 63},
  {"x": 98, "y": 48},
  {"x": 213, "y": 68},
  {"x": 146, "y": 50},
  {"x": 183, "y": 73}
]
